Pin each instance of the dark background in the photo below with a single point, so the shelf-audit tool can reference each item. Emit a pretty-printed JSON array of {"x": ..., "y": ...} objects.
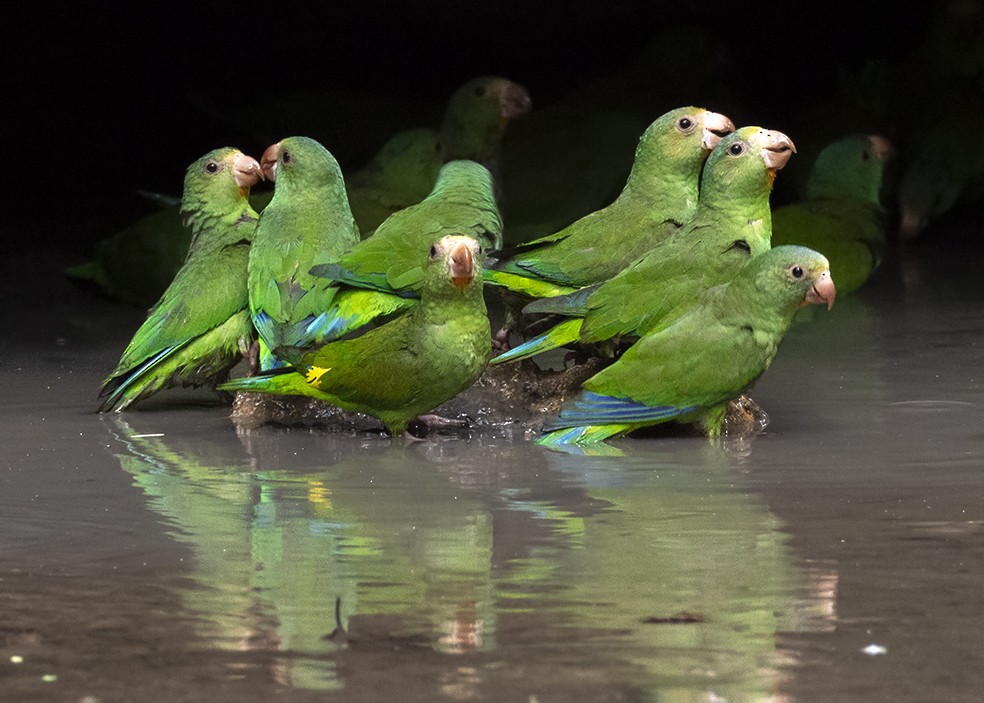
[{"x": 104, "y": 103}]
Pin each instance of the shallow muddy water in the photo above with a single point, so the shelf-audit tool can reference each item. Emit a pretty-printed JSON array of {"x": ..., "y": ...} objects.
[{"x": 162, "y": 554}]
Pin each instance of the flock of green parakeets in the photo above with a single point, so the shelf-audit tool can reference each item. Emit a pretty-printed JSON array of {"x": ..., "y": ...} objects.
[{"x": 371, "y": 292}]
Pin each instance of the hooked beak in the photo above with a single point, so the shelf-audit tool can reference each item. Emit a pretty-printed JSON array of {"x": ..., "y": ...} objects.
[
  {"x": 514, "y": 99},
  {"x": 911, "y": 223},
  {"x": 777, "y": 148},
  {"x": 823, "y": 291},
  {"x": 716, "y": 126},
  {"x": 461, "y": 265},
  {"x": 246, "y": 170},
  {"x": 881, "y": 147},
  {"x": 268, "y": 162}
]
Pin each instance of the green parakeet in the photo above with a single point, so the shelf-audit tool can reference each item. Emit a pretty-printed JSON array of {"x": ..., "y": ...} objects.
[
  {"x": 400, "y": 175},
  {"x": 308, "y": 222},
  {"x": 413, "y": 363},
  {"x": 941, "y": 154},
  {"x": 732, "y": 223},
  {"x": 476, "y": 117},
  {"x": 383, "y": 273},
  {"x": 200, "y": 327},
  {"x": 939, "y": 122},
  {"x": 842, "y": 215},
  {"x": 659, "y": 196},
  {"x": 136, "y": 264},
  {"x": 692, "y": 363}
]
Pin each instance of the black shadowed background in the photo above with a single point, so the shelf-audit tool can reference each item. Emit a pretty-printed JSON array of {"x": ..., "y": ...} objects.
[{"x": 106, "y": 103}]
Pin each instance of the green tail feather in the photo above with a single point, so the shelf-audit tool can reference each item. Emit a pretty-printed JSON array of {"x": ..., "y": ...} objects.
[
  {"x": 567, "y": 332},
  {"x": 531, "y": 287},
  {"x": 145, "y": 380},
  {"x": 570, "y": 305},
  {"x": 287, "y": 381},
  {"x": 582, "y": 435}
]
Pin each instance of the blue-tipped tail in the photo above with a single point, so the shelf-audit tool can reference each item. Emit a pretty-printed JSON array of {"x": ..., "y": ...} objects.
[
  {"x": 589, "y": 408},
  {"x": 120, "y": 391},
  {"x": 567, "y": 332},
  {"x": 584, "y": 439}
]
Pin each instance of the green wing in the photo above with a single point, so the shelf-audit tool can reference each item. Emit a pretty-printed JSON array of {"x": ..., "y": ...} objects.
[
  {"x": 197, "y": 330},
  {"x": 848, "y": 232},
  {"x": 308, "y": 222}
]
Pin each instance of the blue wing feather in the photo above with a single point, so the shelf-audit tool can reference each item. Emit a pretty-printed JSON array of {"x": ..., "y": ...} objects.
[
  {"x": 138, "y": 374},
  {"x": 590, "y": 408}
]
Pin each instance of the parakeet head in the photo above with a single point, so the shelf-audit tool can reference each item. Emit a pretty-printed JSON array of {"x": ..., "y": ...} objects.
[
  {"x": 926, "y": 190},
  {"x": 300, "y": 161},
  {"x": 496, "y": 99},
  {"x": 219, "y": 182},
  {"x": 453, "y": 267},
  {"x": 851, "y": 168},
  {"x": 477, "y": 115},
  {"x": 222, "y": 174},
  {"x": 681, "y": 139},
  {"x": 791, "y": 276},
  {"x": 743, "y": 164}
]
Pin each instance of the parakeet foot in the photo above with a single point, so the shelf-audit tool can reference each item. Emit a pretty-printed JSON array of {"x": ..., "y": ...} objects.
[
  {"x": 744, "y": 418},
  {"x": 253, "y": 358},
  {"x": 500, "y": 340}
]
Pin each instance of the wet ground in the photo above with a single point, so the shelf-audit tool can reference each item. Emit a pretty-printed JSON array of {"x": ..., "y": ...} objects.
[{"x": 165, "y": 555}]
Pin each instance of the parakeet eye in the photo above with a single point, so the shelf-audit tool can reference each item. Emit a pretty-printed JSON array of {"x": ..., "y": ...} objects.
[
  {"x": 211, "y": 166},
  {"x": 685, "y": 123},
  {"x": 286, "y": 157},
  {"x": 433, "y": 251},
  {"x": 480, "y": 91},
  {"x": 865, "y": 156},
  {"x": 796, "y": 271},
  {"x": 736, "y": 149}
]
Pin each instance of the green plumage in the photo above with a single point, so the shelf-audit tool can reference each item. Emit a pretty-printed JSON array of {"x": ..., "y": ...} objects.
[
  {"x": 200, "y": 327},
  {"x": 659, "y": 196},
  {"x": 400, "y": 175},
  {"x": 476, "y": 118},
  {"x": 842, "y": 215},
  {"x": 308, "y": 222},
  {"x": 135, "y": 264},
  {"x": 409, "y": 365},
  {"x": 384, "y": 273},
  {"x": 693, "y": 362},
  {"x": 732, "y": 222}
]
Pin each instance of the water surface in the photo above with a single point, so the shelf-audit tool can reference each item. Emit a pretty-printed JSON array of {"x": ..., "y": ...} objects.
[{"x": 163, "y": 554}]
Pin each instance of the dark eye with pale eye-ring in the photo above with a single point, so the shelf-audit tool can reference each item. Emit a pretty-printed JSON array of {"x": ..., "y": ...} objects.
[
  {"x": 433, "y": 251},
  {"x": 796, "y": 271},
  {"x": 286, "y": 157},
  {"x": 480, "y": 91},
  {"x": 736, "y": 149},
  {"x": 211, "y": 167},
  {"x": 685, "y": 123}
]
